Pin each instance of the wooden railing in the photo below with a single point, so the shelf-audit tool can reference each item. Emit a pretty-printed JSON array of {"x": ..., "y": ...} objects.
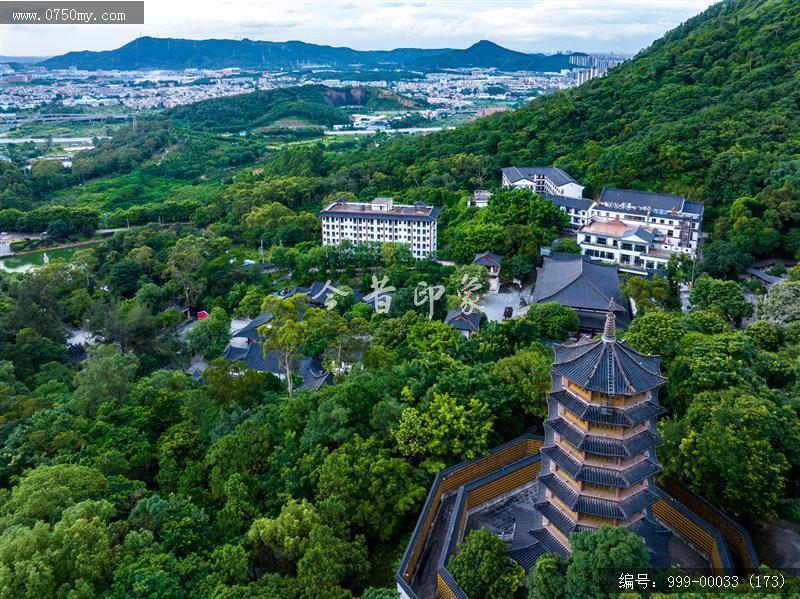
[
  {"x": 679, "y": 518},
  {"x": 471, "y": 495},
  {"x": 736, "y": 536},
  {"x": 454, "y": 477}
]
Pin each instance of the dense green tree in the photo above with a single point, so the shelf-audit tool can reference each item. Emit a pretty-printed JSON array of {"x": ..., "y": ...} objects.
[
  {"x": 567, "y": 246},
  {"x": 548, "y": 577},
  {"x": 45, "y": 492},
  {"x": 782, "y": 304},
  {"x": 723, "y": 430},
  {"x": 483, "y": 569},
  {"x": 444, "y": 432},
  {"x": 106, "y": 378},
  {"x": 285, "y": 333},
  {"x": 552, "y": 320},
  {"x": 125, "y": 276},
  {"x": 210, "y": 335},
  {"x": 766, "y": 335},
  {"x": 378, "y": 491},
  {"x": 598, "y": 558},
  {"x": 184, "y": 263},
  {"x": 657, "y": 332},
  {"x": 724, "y": 297},
  {"x": 647, "y": 294},
  {"x": 29, "y": 351},
  {"x": 527, "y": 375},
  {"x": 723, "y": 259}
]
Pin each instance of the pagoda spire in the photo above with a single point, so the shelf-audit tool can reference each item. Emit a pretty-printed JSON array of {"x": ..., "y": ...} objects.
[{"x": 610, "y": 330}]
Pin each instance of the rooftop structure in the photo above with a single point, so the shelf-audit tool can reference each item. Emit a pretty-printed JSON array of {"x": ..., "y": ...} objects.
[
  {"x": 466, "y": 324},
  {"x": 576, "y": 208},
  {"x": 480, "y": 198},
  {"x": 382, "y": 221},
  {"x": 492, "y": 263},
  {"x": 542, "y": 179},
  {"x": 583, "y": 285},
  {"x": 594, "y": 466},
  {"x": 635, "y": 247}
]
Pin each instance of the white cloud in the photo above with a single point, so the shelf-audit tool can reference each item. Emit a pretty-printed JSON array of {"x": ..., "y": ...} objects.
[{"x": 526, "y": 25}]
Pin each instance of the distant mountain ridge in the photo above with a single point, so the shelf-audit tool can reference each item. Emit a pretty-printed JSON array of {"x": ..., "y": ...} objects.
[{"x": 172, "y": 53}]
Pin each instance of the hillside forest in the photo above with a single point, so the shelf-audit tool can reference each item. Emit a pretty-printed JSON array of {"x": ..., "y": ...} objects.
[{"x": 122, "y": 475}]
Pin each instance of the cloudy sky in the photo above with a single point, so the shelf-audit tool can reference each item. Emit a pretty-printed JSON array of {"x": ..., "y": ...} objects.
[{"x": 624, "y": 26}]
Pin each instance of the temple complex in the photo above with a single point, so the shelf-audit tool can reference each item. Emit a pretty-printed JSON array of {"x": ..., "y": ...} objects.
[{"x": 594, "y": 465}]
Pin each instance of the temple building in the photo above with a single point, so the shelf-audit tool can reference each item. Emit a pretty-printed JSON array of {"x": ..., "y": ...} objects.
[
  {"x": 594, "y": 465},
  {"x": 585, "y": 286},
  {"x": 599, "y": 457}
]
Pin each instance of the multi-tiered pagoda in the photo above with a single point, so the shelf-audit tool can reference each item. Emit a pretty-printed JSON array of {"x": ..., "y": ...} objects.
[{"x": 599, "y": 457}]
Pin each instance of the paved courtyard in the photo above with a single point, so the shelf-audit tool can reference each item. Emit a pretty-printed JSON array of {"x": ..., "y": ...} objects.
[{"x": 495, "y": 303}]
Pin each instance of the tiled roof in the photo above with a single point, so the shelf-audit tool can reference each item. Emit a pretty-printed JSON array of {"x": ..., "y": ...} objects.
[
  {"x": 556, "y": 517},
  {"x": 602, "y": 476},
  {"x": 524, "y": 521},
  {"x": 250, "y": 330},
  {"x": 642, "y": 199},
  {"x": 577, "y": 282},
  {"x": 567, "y": 202},
  {"x": 463, "y": 322},
  {"x": 314, "y": 375},
  {"x": 555, "y": 174},
  {"x": 610, "y": 367},
  {"x": 628, "y": 416},
  {"x": 693, "y": 207},
  {"x": 604, "y": 446},
  {"x": 488, "y": 259},
  {"x": 597, "y": 506}
]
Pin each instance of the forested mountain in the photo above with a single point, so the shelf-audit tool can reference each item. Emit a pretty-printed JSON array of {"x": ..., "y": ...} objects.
[
  {"x": 170, "y": 53},
  {"x": 709, "y": 111},
  {"x": 122, "y": 476},
  {"x": 314, "y": 105}
]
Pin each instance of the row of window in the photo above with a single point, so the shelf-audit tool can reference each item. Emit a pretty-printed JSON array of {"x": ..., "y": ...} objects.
[{"x": 614, "y": 243}]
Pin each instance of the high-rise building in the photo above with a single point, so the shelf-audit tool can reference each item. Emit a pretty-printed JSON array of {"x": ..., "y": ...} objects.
[{"x": 382, "y": 221}]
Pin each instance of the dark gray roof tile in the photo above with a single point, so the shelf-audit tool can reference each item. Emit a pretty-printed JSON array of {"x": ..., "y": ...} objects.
[
  {"x": 578, "y": 282},
  {"x": 555, "y": 174},
  {"x": 642, "y": 199},
  {"x": 609, "y": 367}
]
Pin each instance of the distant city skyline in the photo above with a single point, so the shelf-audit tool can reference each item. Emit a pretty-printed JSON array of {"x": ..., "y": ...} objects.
[{"x": 623, "y": 26}]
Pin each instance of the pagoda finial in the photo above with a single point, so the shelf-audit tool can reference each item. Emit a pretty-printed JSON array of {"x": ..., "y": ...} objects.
[{"x": 610, "y": 331}]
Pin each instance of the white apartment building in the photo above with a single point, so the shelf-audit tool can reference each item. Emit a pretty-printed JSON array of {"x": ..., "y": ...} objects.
[
  {"x": 553, "y": 183},
  {"x": 634, "y": 248},
  {"x": 381, "y": 221},
  {"x": 675, "y": 219},
  {"x": 542, "y": 179}
]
